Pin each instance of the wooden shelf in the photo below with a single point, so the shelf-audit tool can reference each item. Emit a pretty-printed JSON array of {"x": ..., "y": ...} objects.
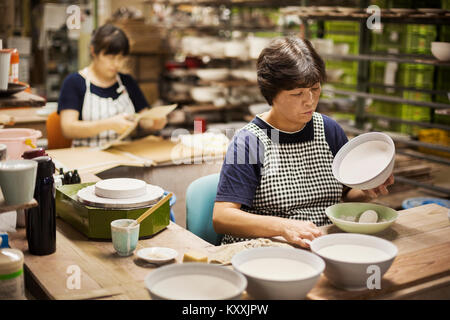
[
  {"x": 403, "y": 58},
  {"x": 209, "y": 108},
  {"x": 22, "y": 99},
  {"x": 6, "y": 208}
]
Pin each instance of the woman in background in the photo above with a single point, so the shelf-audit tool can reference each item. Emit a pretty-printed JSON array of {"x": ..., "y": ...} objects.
[{"x": 96, "y": 103}]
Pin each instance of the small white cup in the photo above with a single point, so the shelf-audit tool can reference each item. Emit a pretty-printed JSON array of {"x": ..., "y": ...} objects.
[{"x": 5, "y": 62}]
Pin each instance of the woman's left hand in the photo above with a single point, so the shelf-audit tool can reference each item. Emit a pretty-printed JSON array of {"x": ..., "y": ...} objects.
[{"x": 382, "y": 189}]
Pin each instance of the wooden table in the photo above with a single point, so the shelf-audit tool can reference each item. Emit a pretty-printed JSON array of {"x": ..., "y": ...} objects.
[{"x": 421, "y": 234}]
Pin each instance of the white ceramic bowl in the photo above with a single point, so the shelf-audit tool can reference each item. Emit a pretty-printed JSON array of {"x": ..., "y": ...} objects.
[
  {"x": 205, "y": 94},
  {"x": 441, "y": 50},
  {"x": 264, "y": 288},
  {"x": 195, "y": 281},
  {"x": 353, "y": 275},
  {"x": 157, "y": 254},
  {"x": 213, "y": 74},
  {"x": 378, "y": 177}
]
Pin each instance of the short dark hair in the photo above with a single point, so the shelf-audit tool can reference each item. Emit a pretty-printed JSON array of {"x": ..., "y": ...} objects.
[
  {"x": 110, "y": 39},
  {"x": 286, "y": 64}
]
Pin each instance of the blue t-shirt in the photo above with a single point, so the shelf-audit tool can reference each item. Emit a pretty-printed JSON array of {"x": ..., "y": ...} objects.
[
  {"x": 74, "y": 88},
  {"x": 241, "y": 169}
]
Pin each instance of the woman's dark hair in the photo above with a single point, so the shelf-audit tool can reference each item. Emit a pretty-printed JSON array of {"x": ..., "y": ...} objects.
[
  {"x": 110, "y": 39},
  {"x": 286, "y": 64}
]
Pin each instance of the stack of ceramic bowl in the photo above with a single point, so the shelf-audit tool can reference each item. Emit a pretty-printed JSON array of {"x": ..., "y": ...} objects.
[{"x": 120, "y": 193}]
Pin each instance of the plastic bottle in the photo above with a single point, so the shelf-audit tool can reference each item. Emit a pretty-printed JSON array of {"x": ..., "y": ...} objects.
[
  {"x": 11, "y": 272},
  {"x": 41, "y": 220},
  {"x": 14, "y": 66}
]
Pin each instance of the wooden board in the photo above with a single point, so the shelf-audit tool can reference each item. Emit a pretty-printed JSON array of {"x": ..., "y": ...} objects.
[
  {"x": 422, "y": 236},
  {"x": 6, "y": 208},
  {"x": 139, "y": 153},
  {"x": 22, "y": 99},
  {"x": 153, "y": 113},
  {"x": 90, "y": 160}
]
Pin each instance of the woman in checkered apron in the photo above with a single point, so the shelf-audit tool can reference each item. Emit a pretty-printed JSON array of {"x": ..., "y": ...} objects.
[{"x": 277, "y": 177}]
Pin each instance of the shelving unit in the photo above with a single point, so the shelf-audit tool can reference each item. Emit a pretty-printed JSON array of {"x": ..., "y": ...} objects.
[{"x": 362, "y": 89}]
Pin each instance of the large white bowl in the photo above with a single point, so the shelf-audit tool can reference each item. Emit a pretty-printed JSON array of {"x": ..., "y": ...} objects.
[
  {"x": 203, "y": 290},
  {"x": 441, "y": 50},
  {"x": 205, "y": 94},
  {"x": 213, "y": 74},
  {"x": 378, "y": 178},
  {"x": 261, "y": 288},
  {"x": 353, "y": 275}
]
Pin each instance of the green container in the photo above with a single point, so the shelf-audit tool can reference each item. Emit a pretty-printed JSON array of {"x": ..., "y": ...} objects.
[
  {"x": 416, "y": 76},
  {"x": 347, "y": 26},
  {"x": 341, "y": 213},
  {"x": 404, "y": 38},
  {"x": 95, "y": 223}
]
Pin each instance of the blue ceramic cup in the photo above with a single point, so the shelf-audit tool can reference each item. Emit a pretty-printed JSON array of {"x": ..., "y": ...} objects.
[{"x": 124, "y": 239}]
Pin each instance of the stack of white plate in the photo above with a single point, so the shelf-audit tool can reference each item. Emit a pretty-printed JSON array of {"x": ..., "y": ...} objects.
[{"x": 120, "y": 193}]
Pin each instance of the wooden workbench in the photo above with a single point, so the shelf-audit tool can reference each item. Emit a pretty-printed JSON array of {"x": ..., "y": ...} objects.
[
  {"x": 26, "y": 117},
  {"x": 421, "y": 234},
  {"x": 22, "y": 99}
]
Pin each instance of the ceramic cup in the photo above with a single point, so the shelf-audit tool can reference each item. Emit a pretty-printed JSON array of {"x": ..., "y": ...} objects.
[
  {"x": 124, "y": 239},
  {"x": 3, "y": 152},
  {"x": 17, "y": 180},
  {"x": 5, "y": 60}
]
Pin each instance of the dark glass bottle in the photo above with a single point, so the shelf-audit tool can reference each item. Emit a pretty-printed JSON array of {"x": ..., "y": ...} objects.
[
  {"x": 41, "y": 220},
  {"x": 68, "y": 177},
  {"x": 75, "y": 177}
]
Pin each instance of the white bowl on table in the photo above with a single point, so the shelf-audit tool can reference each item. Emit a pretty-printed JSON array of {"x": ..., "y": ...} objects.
[
  {"x": 441, "y": 50},
  {"x": 272, "y": 287},
  {"x": 360, "y": 177},
  {"x": 212, "y": 74},
  {"x": 205, "y": 94},
  {"x": 348, "y": 273},
  {"x": 195, "y": 281}
]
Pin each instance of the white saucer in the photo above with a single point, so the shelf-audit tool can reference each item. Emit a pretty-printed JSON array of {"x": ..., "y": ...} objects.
[
  {"x": 157, "y": 254},
  {"x": 120, "y": 188},
  {"x": 87, "y": 196}
]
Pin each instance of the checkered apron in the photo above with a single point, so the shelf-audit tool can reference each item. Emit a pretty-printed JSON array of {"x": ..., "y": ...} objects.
[{"x": 297, "y": 181}]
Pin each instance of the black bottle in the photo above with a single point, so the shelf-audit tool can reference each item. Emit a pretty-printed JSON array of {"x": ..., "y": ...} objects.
[
  {"x": 68, "y": 177},
  {"x": 41, "y": 220},
  {"x": 75, "y": 177}
]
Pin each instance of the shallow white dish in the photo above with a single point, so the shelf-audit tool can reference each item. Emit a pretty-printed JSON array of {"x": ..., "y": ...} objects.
[
  {"x": 120, "y": 188},
  {"x": 213, "y": 74},
  {"x": 87, "y": 196},
  {"x": 204, "y": 288},
  {"x": 353, "y": 276},
  {"x": 205, "y": 94},
  {"x": 264, "y": 288},
  {"x": 157, "y": 254},
  {"x": 385, "y": 168},
  {"x": 441, "y": 50}
]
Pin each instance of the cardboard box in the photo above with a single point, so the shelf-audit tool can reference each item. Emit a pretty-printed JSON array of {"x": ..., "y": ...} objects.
[
  {"x": 143, "y": 37},
  {"x": 150, "y": 91},
  {"x": 144, "y": 67}
]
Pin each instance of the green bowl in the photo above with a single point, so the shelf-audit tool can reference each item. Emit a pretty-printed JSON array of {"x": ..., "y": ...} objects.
[{"x": 341, "y": 214}]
